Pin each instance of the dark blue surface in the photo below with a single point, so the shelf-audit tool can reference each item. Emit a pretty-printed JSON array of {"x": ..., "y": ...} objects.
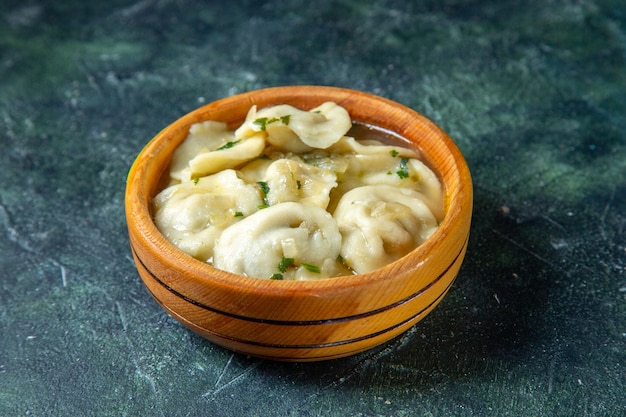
[{"x": 534, "y": 94}]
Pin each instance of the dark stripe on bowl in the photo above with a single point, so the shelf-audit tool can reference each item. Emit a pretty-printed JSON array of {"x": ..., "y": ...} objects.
[
  {"x": 302, "y": 322},
  {"x": 336, "y": 343}
]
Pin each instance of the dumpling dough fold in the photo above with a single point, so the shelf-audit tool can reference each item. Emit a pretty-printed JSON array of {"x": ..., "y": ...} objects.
[
  {"x": 380, "y": 224},
  {"x": 192, "y": 215},
  {"x": 256, "y": 245},
  {"x": 232, "y": 155},
  {"x": 293, "y": 130}
]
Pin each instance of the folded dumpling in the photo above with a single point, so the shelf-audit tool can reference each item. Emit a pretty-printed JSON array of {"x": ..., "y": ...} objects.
[
  {"x": 202, "y": 137},
  {"x": 293, "y": 130},
  {"x": 381, "y": 223},
  {"x": 193, "y": 214},
  {"x": 230, "y": 155},
  {"x": 285, "y": 241}
]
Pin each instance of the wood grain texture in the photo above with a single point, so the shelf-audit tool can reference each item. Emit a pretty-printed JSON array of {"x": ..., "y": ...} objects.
[{"x": 295, "y": 320}]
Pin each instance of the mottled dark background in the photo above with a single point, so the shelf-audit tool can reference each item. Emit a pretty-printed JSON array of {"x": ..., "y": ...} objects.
[{"x": 534, "y": 94}]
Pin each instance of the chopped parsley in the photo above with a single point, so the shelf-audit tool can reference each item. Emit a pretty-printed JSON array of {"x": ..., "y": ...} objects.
[
  {"x": 238, "y": 214},
  {"x": 403, "y": 172},
  {"x": 311, "y": 268},
  {"x": 277, "y": 277},
  {"x": 393, "y": 153},
  {"x": 265, "y": 190},
  {"x": 263, "y": 122},
  {"x": 284, "y": 264},
  {"x": 195, "y": 181},
  {"x": 228, "y": 145}
]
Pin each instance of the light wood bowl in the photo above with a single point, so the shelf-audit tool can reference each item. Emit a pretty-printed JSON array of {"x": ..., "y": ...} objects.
[{"x": 302, "y": 320}]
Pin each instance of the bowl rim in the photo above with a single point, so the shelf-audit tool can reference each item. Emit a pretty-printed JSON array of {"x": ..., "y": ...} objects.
[{"x": 139, "y": 218}]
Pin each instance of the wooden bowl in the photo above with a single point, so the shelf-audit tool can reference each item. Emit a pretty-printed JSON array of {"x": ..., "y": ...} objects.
[{"x": 302, "y": 320}]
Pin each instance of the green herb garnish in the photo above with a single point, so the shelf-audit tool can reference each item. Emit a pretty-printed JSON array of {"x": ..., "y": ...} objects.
[
  {"x": 298, "y": 184},
  {"x": 195, "y": 181},
  {"x": 277, "y": 277},
  {"x": 265, "y": 190},
  {"x": 311, "y": 268},
  {"x": 238, "y": 214},
  {"x": 403, "y": 172},
  {"x": 228, "y": 145},
  {"x": 262, "y": 122},
  {"x": 393, "y": 153},
  {"x": 284, "y": 264}
]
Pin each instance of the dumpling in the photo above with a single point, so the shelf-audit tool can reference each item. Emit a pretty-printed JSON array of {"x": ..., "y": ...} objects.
[
  {"x": 381, "y": 223},
  {"x": 202, "y": 137},
  {"x": 295, "y": 180},
  {"x": 397, "y": 172},
  {"x": 388, "y": 165},
  {"x": 293, "y": 130},
  {"x": 286, "y": 241},
  {"x": 193, "y": 214},
  {"x": 230, "y": 155}
]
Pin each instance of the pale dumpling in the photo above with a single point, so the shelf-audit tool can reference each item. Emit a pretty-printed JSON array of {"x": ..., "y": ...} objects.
[
  {"x": 396, "y": 172},
  {"x": 230, "y": 155},
  {"x": 377, "y": 164},
  {"x": 288, "y": 240},
  {"x": 202, "y": 137},
  {"x": 293, "y": 130},
  {"x": 193, "y": 214},
  {"x": 380, "y": 223}
]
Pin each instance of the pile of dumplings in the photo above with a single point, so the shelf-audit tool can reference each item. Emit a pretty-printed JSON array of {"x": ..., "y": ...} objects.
[{"x": 289, "y": 196}]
